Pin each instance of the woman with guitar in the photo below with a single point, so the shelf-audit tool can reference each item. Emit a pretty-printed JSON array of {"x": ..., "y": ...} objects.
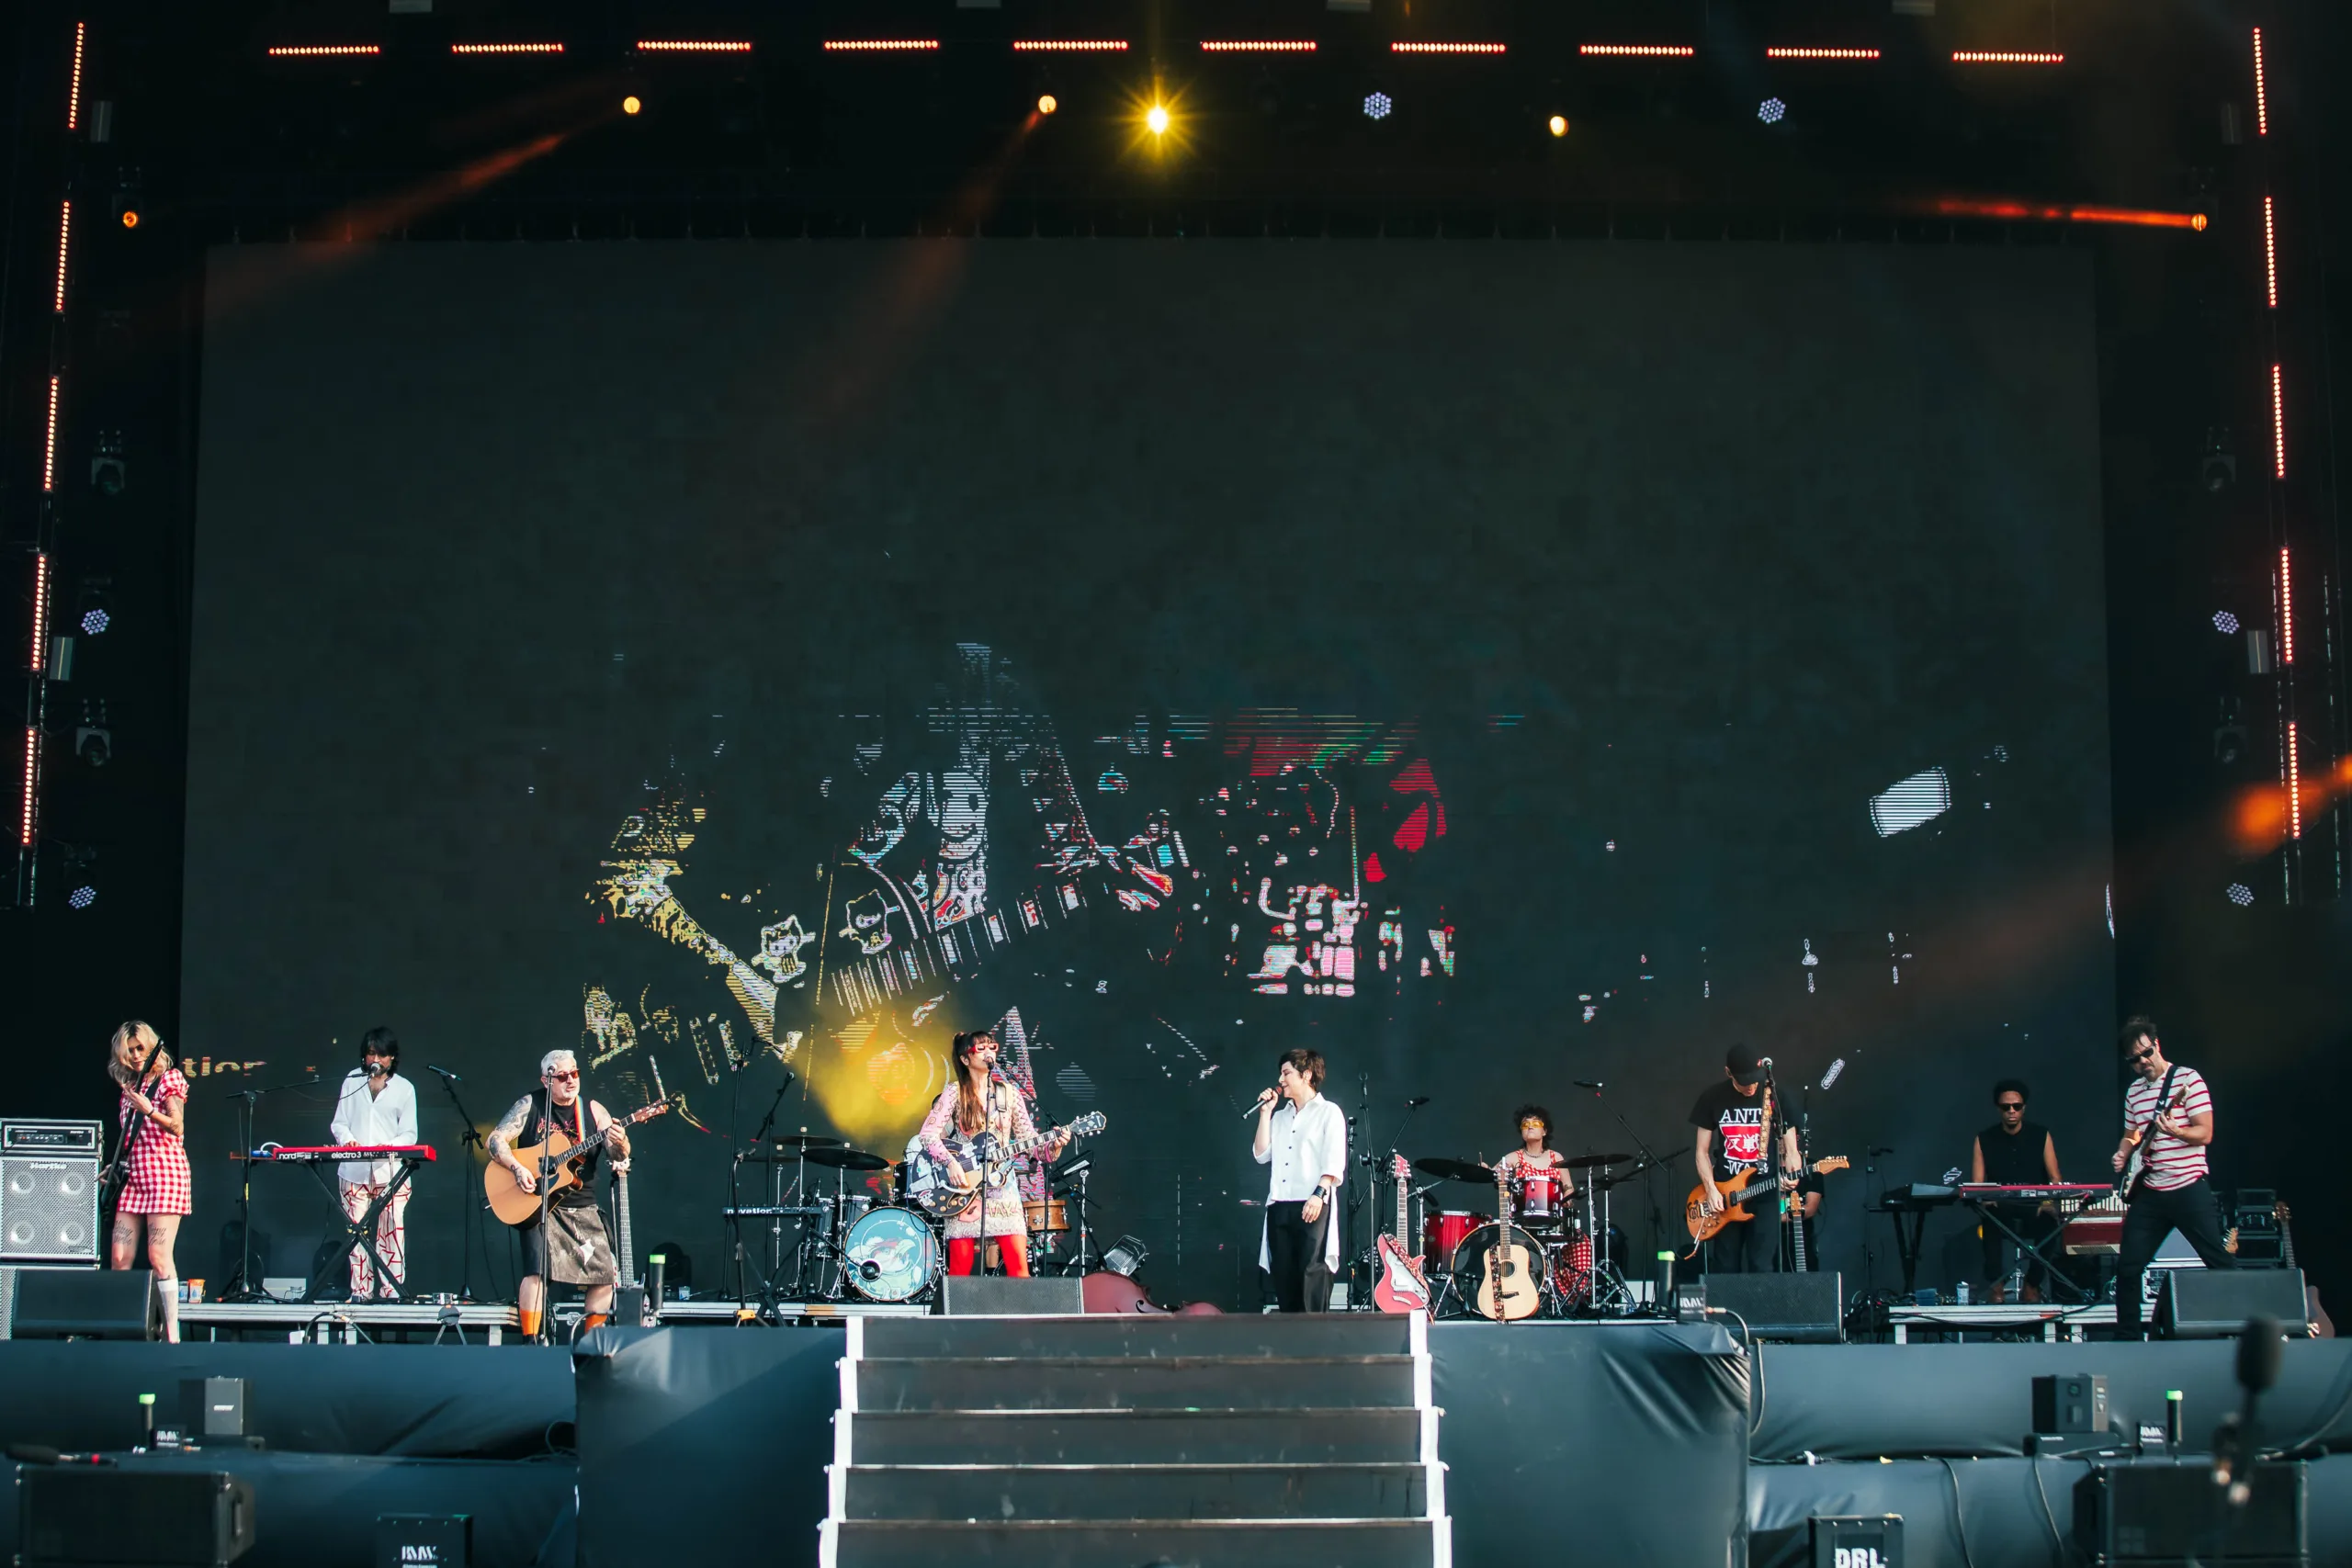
[
  {"x": 981, "y": 1100},
  {"x": 568, "y": 1244},
  {"x": 151, "y": 1161},
  {"x": 1739, "y": 1125}
]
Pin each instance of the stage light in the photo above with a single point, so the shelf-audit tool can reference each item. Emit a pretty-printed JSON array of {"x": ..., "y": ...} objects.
[
  {"x": 1155, "y": 118},
  {"x": 32, "y": 784},
  {"x": 73, "y": 93},
  {"x": 1640, "y": 51},
  {"x": 631, "y": 103},
  {"x": 2261, "y": 89},
  {"x": 1821, "y": 54},
  {"x": 2277, "y": 422},
  {"x": 82, "y": 898},
  {"x": 49, "y": 448},
  {"x": 1258, "y": 46},
  {"x": 95, "y": 621},
  {"x": 2225, "y": 623},
  {"x": 2241, "y": 895},
  {"x": 506, "y": 49},
  {"x": 1377, "y": 106},
  {"x": 692, "y": 46},
  {"x": 40, "y": 611},
  {"x": 2269, "y": 253},
  {"x": 2006, "y": 57},
  {"x": 1448, "y": 47},
  {"x": 1771, "y": 111},
  {"x": 64, "y": 232},
  {"x": 110, "y": 466},
  {"x": 2294, "y": 785},
  {"x": 1906, "y": 803},
  {"x": 130, "y": 218},
  {"x": 2286, "y": 609},
  {"x": 1558, "y": 125},
  {"x": 1070, "y": 46},
  {"x": 318, "y": 50},
  {"x": 2197, "y": 221},
  {"x": 1049, "y": 103},
  {"x": 879, "y": 45}
]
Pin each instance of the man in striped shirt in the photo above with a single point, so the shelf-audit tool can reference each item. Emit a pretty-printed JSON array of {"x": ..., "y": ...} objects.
[{"x": 2168, "y": 1118}]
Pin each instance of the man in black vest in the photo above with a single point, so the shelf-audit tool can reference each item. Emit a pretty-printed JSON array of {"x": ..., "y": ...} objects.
[{"x": 2015, "y": 1151}]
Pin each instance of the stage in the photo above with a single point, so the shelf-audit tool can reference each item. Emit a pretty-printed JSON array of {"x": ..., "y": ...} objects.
[{"x": 1395, "y": 1440}]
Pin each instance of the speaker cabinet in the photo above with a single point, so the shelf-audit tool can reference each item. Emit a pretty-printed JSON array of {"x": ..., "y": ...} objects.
[
  {"x": 1805, "y": 1308},
  {"x": 980, "y": 1295},
  {"x": 49, "y": 1208},
  {"x": 2163, "y": 1513},
  {"x": 2065, "y": 1404},
  {"x": 159, "y": 1518},
  {"x": 2213, "y": 1304},
  {"x": 84, "y": 1304}
]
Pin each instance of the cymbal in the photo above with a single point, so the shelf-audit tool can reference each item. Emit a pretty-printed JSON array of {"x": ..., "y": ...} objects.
[
  {"x": 848, "y": 1159},
  {"x": 1454, "y": 1170},
  {"x": 808, "y": 1141},
  {"x": 1589, "y": 1162}
]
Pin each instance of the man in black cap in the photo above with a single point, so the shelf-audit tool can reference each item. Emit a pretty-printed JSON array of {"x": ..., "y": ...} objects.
[{"x": 1738, "y": 1122}]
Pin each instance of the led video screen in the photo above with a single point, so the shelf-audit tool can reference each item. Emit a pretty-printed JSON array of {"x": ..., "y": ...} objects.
[{"x": 1497, "y": 667}]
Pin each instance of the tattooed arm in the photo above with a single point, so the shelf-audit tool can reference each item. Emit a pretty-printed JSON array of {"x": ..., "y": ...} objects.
[{"x": 502, "y": 1138}]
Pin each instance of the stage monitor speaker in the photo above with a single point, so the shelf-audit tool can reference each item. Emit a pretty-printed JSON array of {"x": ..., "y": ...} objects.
[
  {"x": 1857, "y": 1540},
  {"x": 982, "y": 1295},
  {"x": 2213, "y": 1304},
  {"x": 49, "y": 1208},
  {"x": 1805, "y": 1308},
  {"x": 423, "y": 1540},
  {"x": 159, "y": 1518},
  {"x": 212, "y": 1408},
  {"x": 2067, "y": 1402},
  {"x": 84, "y": 1304},
  {"x": 2158, "y": 1513}
]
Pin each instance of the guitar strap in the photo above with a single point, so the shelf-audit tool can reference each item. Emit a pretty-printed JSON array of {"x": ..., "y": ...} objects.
[{"x": 2148, "y": 1130}]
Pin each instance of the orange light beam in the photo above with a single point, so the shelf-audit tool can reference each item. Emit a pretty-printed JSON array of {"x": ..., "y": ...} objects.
[{"x": 2132, "y": 217}]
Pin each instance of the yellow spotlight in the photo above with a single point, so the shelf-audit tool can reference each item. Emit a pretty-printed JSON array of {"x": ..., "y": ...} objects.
[
  {"x": 2197, "y": 221},
  {"x": 1559, "y": 125},
  {"x": 1157, "y": 120},
  {"x": 130, "y": 218},
  {"x": 630, "y": 105},
  {"x": 1047, "y": 103}
]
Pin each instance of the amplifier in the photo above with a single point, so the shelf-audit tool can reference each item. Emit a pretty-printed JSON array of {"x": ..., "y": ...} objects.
[
  {"x": 2213, "y": 1304},
  {"x": 48, "y": 1192},
  {"x": 2066, "y": 1404},
  {"x": 1806, "y": 1308},
  {"x": 984, "y": 1295},
  {"x": 2168, "y": 1514},
  {"x": 22, "y": 1137},
  {"x": 158, "y": 1518}
]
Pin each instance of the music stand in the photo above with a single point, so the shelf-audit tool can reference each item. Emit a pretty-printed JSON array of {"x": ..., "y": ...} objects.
[{"x": 241, "y": 1288}]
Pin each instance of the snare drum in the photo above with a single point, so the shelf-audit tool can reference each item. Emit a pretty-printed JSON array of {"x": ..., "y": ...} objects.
[
  {"x": 1443, "y": 1231},
  {"x": 892, "y": 1254},
  {"x": 1049, "y": 1215},
  {"x": 1543, "y": 1197}
]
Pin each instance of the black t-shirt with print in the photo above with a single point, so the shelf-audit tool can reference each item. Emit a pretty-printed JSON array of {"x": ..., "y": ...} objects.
[{"x": 1737, "y": 1122}]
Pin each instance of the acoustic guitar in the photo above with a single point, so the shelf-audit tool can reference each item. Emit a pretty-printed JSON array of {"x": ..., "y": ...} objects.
[
  {"x": 1401, "y": 1287},
  {"x": 1703, "y": 1226},
  {"x": 559, "y": 1157},
  {"x": 1507, "y": 1289}
]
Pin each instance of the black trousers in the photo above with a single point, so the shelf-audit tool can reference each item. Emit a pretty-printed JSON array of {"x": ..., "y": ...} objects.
[
  {"x": 1295, "y": 1259},
  {"x": 1749, "y": 1248},
  {"x": 2193, "y": 1212}
]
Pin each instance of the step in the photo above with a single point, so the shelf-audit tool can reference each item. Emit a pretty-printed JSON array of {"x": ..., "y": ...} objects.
[
  {"x": 1126, "y": 1337},
  {"x": 1140, "y": 1543},
  {"x": 1080, "y": 1492},
  {"x": 1136, "y": 1436},
  {"x": 1163, "y": 1383}
]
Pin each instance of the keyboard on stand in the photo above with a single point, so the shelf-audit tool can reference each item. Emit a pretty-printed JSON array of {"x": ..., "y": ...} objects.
[
  {"x": 2032, "y": 1191},
  {"x": 323, "y": 1154}
]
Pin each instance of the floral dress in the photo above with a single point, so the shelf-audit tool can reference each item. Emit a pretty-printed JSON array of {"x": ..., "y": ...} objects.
[{"x": 1005, "y": 1215}]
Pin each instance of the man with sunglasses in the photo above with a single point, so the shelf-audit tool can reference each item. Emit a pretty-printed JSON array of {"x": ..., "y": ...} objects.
[
  {"x": 2168, "y": 1120},
  {"x": 2015, "y": 1151},
  {"x": 569, "y": 1245}
]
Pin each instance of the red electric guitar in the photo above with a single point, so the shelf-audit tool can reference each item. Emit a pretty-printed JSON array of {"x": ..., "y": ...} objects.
[{"x": 1400, "y": 1287}]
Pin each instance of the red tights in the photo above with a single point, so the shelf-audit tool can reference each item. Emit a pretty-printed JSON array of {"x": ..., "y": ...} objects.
[{"x": 963, "y": 1254}]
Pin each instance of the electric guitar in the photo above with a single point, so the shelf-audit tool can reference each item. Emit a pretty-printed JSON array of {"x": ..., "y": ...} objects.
[
  {"x": 559, "y": 1157},
  {"x": 1401, "y": 1287},
  {"x": 1703, "y": 1226},
  {"x": 2136, "y": 1167},
  {"x": 944, "y": 1193},
  {"x": 1509, "y": 1291},
  {"x": 2323, "y": 1327}
]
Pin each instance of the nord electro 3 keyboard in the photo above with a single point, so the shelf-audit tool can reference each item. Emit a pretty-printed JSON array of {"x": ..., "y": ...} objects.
[
  {"x": 335, "y": 1154},
  {"x": 2032, "y": 1193}
]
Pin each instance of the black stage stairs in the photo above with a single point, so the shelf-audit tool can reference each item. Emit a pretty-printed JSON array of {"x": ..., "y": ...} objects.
[{"x": 1134, "y": 1441}]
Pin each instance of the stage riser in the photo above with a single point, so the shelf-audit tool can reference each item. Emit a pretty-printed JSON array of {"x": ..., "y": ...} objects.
[
  {"x": 1103, "y": 1384},
  {"x": 1382, "y": 1544},
  {"x": 1235, "y": 1335},
  {"x": 1289, "y": 1437},
  {"x": 1130, "y": 1492}
]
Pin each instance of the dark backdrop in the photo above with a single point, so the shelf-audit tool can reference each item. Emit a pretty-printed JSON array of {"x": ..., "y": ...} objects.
[{"x": 605, "y": 647}]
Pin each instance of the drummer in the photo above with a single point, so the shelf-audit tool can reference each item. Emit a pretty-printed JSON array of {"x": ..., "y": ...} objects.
[{"x": 1538, "y": 1170}]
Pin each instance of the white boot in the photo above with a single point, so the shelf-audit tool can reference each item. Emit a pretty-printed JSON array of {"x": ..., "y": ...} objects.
[{"x": 167, "y": 1291}]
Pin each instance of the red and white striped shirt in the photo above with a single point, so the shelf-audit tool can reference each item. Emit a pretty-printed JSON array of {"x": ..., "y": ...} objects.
[{"x": 2170, "y": 1163}]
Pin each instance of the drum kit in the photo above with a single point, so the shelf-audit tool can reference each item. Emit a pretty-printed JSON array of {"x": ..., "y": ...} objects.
[
  {"x": 1582, "y": 1254},
  {"x": 855, "y": 1245}
]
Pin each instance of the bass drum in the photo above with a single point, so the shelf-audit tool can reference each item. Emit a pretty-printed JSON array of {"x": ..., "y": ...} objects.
[{"x": 891, "y": 1254}]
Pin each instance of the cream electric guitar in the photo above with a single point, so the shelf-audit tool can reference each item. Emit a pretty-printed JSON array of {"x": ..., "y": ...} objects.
[{"x": 1401, "y": 1287}]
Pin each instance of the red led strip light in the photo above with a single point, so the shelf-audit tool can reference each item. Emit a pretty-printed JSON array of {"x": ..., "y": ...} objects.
[
  {"x": 2286, "y": 609},
  {"x": 2279, "y": 423},
  {"x": 1821, "y": 54},
  {"x": 40, "y": 611},
  {"x": 73, "y": 94},
  {"x": 32, "y": 780},
  {"x": 2270, "y": 250},
  {"x": 2294, "y": 785},
  {"x": 2261, "y": 91},
  {"x": 49, "y": 450},
  {"x": 291, "y": 51},
  {"x": 877, "y": 45},
  {"x": 64, "y": 232},
  {"x": 1447, "y": 48},
  {"x": 2004, "y": 56},
  {"x": 1662, "y": 51},
  {"x": 693, "y": 46},
  {"x": 506, "y": 49},
  {"x": 1069, "y": 45},
  {"x": 1258, "y": 46}
]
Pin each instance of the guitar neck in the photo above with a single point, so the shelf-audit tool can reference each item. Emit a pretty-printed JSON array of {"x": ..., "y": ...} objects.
[{"x": 622, "y": 1245}]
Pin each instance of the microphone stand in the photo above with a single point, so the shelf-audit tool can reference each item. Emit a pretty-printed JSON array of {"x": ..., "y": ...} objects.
[
  {"x": 243, "y": 1289},
  {"x": 1651, "y": 1166},
  {"x": 988, "y": 1128},
  {"x": 776, "y": 1221},
  {"x": 470, "y": 1223}
]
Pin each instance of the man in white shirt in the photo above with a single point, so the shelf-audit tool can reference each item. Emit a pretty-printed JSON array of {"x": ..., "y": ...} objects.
[
  {"x": 378, "y": 1107},
  {"x": 1307, "y": 1143}
]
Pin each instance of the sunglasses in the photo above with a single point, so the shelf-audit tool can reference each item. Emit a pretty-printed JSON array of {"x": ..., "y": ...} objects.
[
  {"x": 2144, "y": 1056},
  {"x": 2013, "y": 1105},
  {"x": 572, "y": 1076}
]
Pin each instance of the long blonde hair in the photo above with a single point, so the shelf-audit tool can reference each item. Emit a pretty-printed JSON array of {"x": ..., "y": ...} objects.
[{"x": 144, "y": 1034}]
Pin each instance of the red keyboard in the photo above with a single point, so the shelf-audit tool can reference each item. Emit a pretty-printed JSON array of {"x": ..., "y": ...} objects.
[
  {"x": 289, "y": 1154},
  {"x": 2033, "y": 1191}
]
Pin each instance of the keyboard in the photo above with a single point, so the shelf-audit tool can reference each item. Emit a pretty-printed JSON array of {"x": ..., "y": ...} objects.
[
  {"x": 323, "y": 1154},
  {"x": 1918, "y": 1195},
  {"x": 2038, "y": 1191}
]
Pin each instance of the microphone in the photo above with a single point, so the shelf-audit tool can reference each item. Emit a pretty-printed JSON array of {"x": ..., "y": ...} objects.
[
  {"x": 1261, "y": 1102},
  {"x": 1588, "y": 1083},
  {"x": 444, "y": 1072},
  {"x": 1765, "y": 1063},
  {"x": 2260, "y": 1350}
]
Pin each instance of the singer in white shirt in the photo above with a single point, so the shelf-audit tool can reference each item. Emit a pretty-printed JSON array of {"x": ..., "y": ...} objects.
[
  {"x": 1307, "y": 1143},
  {"x": 378, "y": 1107}
]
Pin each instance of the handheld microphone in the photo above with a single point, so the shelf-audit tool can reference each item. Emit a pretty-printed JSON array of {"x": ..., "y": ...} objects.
[
  {"x": 1588, "y": 1083},
  {"x": 1262, "y": 1103},
  {"x": 444, "y": 1072}
]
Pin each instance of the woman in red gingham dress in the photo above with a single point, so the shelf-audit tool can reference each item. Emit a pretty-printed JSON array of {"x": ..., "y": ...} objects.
[{"x": 152, "y": 1121}]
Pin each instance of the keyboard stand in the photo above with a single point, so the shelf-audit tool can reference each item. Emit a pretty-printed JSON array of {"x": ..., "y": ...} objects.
[
  {"x": 2030, "y": 1252},
  {"x": 360, "y": 1233}
]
